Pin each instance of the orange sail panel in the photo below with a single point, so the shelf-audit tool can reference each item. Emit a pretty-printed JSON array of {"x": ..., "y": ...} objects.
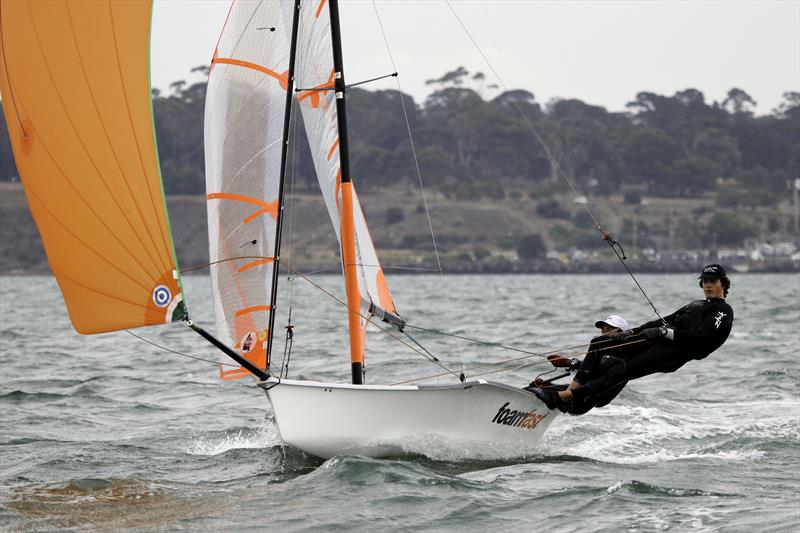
[
  {"x": 244, "y": 121},
  {"x": 76, "y": 98}
]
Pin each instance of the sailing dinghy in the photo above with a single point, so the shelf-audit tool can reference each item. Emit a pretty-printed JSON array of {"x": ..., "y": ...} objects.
[{"x": 76, "y": 96}]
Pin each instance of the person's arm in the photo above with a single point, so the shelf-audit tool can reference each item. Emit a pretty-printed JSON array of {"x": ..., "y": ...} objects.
[{"x": 669, "y": 319}]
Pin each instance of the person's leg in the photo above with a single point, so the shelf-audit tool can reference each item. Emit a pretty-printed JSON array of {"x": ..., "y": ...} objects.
[
  {"x": 590, "y": 367},
  {"x": 659, "y": 357}
]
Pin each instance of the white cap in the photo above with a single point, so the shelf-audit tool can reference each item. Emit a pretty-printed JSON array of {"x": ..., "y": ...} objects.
[{"x": 615, "y": 321}]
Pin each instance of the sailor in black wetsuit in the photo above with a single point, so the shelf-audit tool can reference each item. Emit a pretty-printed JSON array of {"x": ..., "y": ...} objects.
[
  {"x": 602, "y": 349},
  {"x": 692, "y": 332}
]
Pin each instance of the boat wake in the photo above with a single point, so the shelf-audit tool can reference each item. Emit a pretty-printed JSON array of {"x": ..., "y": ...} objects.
[
  {"x": 215, "y": 443},
  {"x": 624, "y": 434}
]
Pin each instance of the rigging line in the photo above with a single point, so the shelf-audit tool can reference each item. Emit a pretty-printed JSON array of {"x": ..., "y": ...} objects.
[
  {"x": 612, "y": 242},
  {"x": 479, "y": 341},
  {"x": 323, "y": 270},
  {"x": 550, "y": 155},
  {"x": 410, "y": 138},
  {"x": 475, "y": 370},
  {"x": 289, "y": 341},
  {"x": 426, "y": 354},
  {"x": 539, "y": 138},
  {"x": 510, "y": 348},
  {"x": 292, "y": 180},
  {"x": 212, "y": 263},
  {"x": 179, "y": 353},
  {"x": 393, "y": 267},
  {"x": 393, "y": 74},
  {"x": 369, "y": 319},
  {"x": 472, "y": 371}
]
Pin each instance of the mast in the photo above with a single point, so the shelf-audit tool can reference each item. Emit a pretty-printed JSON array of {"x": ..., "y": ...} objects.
[
  {"x": 282, "y": 179},
  {"x": 348, "y": 225}
]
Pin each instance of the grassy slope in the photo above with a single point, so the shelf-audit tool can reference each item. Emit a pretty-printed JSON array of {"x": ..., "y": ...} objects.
[{"x": 461, "y": 227}]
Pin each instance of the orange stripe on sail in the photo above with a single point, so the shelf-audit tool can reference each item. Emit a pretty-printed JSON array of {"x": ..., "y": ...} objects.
[
  {"x": 283, "y": 78},
  {"x": 268, "y": 208},
  {"x": 319, "y": 7},
  {"x": 384, "y": 296},
  {"x": 255, "y": 263},
  {"x": 315, "y": 95},
  {"x": 254, "y": 309},
  {"x": 333, "y": 148}
]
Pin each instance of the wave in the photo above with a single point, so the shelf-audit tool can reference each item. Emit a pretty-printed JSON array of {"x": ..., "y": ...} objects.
[
  {"x": 635, "y": 435},
  {"x": 265, "y": 436},
  {"x": 640, "y": 487},
  {"x": 19, "y": 396}
]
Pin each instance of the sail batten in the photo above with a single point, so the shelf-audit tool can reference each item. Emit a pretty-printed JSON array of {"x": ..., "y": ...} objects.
[{"x": 76, "y": 89}]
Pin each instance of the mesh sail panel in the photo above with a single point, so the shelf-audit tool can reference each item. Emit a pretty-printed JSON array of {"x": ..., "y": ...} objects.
[
  {"x": 314, "y": 70},
  {"x": 244, "y": 120}
]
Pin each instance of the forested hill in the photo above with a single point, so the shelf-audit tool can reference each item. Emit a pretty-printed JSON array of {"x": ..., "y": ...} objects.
[{"x": 473, "y": 146}]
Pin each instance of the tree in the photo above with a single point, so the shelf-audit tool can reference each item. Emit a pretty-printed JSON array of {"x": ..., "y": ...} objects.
[
  {"x": 790, "y": 107},
  {"x": 718, "y": 146},
  {"x": 177, "y": 87},
  {"x": 394, "y": 215},
  {"x": 452, "y": 78},
  {"x": 738, "y": 102},
  {"x": 531, "y": 246},
  {"x": 729, "y": 229}
]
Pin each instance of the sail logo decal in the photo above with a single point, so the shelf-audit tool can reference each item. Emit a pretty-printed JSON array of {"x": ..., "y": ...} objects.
[
  {"x": 718, "y": 318},
  {"x": 519, "y": 419},
  {"x": 162, "y": 296}
]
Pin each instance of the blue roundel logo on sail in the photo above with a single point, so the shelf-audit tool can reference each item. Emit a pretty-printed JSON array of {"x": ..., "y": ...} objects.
[{"x": 162, "y": 296}]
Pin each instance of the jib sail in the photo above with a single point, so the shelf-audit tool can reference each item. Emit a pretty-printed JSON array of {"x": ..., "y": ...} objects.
[{"x": 244, "y": 124}]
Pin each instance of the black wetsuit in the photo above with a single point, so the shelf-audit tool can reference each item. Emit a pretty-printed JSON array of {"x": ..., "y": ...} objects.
[{"x": 699, "y": 328}]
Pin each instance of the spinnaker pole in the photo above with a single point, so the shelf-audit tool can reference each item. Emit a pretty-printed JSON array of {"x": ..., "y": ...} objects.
[
  {"x": 348, "y": 224},
  {"x": 284, "y": 151},
  {"x": 244, "y": 363}
]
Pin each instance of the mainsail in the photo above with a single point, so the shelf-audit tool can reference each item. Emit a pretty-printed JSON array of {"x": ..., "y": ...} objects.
[
  {"x": 315, "y": 79},
  {"x": 244, "y": 124},
  {"x": 76, "y": 97}
]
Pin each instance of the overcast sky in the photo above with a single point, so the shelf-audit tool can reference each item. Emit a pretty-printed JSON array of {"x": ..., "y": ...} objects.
[{"x": 600, "y": 52}]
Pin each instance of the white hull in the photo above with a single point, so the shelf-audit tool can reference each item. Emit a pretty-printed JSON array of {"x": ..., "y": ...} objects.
[{"x": 476, "y": 419}]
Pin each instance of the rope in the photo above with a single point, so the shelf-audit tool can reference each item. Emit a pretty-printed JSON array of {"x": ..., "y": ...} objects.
[
  {"x": 552, "y": 158},
  {"x": 504, "y": 368},
  {"x": 410, "y": 139},
  {"x": 430, "y": 358},
  {"x": 606, "y": 236},
  {"x": 476, "y": 341},
  {"x": 179, "y": 353}
]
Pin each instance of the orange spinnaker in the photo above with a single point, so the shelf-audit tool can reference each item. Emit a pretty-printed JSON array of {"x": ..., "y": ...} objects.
[{"x": 76, "y": 98}]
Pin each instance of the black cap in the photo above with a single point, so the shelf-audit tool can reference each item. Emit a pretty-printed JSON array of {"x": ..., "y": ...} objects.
[{"x": 714, "y": 271}]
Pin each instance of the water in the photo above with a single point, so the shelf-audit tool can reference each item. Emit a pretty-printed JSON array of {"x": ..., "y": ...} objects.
[{"x": 109, "y": 433}]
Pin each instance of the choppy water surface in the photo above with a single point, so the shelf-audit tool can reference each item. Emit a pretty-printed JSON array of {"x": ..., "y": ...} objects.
[{"x": 107, "y": 432}]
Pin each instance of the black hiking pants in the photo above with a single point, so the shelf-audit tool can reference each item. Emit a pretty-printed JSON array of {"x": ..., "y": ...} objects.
[{"x": 615, "y": 371}]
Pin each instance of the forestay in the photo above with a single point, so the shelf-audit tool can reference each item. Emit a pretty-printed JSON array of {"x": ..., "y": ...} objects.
[
  {"x": 314, "y": 78},
  {"x": 244, "y": 120},
  {"x": 76, "y": 98}
]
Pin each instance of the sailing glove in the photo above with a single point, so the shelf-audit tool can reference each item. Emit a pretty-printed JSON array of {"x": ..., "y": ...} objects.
[
  {"x": 653, "y": 333},
  {"x": 622, "y": 335}
]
